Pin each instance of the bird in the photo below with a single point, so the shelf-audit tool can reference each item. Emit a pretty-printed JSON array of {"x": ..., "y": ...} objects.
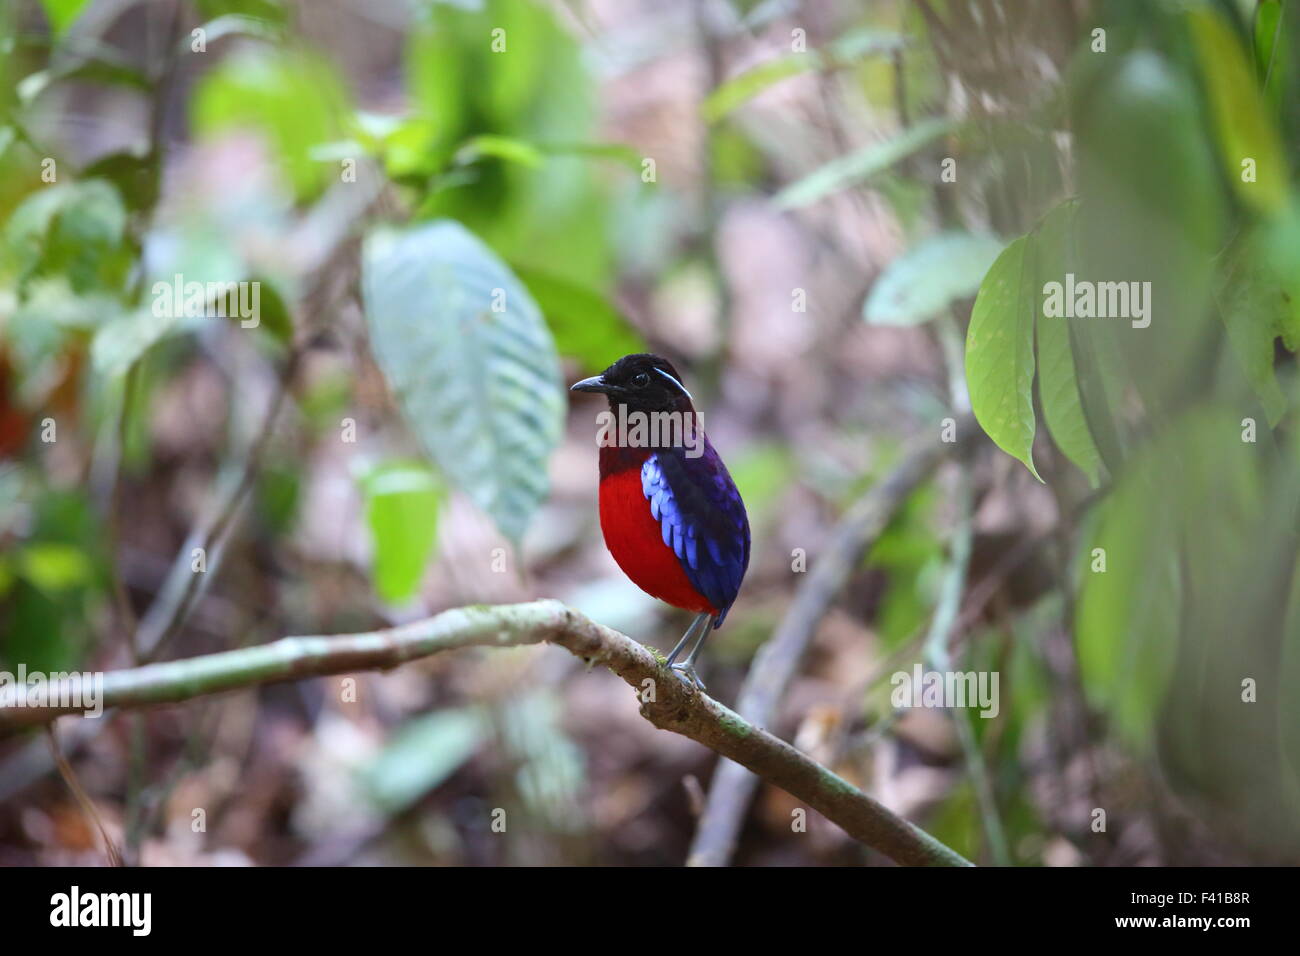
[{"x": 670, "y": 513}]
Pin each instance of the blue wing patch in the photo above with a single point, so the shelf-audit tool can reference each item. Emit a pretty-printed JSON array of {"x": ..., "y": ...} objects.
[{"x": 702, "y": 519}]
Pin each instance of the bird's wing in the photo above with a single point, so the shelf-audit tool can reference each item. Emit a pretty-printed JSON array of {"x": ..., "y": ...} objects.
[{"x": 702, "y": 518}]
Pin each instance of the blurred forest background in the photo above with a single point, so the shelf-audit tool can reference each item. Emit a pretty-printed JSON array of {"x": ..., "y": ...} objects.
[{"x": 798, "y": 202}]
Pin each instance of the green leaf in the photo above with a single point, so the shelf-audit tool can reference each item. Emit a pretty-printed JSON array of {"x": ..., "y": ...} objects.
[
  {"x": 62, "y": 13},
  {"x": 1000, "y": 353},
  {"x": 119, "y": 342},
  {"x": 294, "y": 100},
  {"x": 1160, "y": 223},
  {"x": 862, "y": 165},
  {"x": 931, "y": 275},
  {"x": 583, "y": 322},
  {"x": 740, "y": 89},
  {"x": 1058, "y": 386},
  {"x": 271, "y": 11},
  {"x": 54, "y": 567},
  {"x": 136, "y": 177},
  {"x": 1243, "y": 126},
  {"x": 1269, "y": 50},
  {"x": 1177, "y": 576},
  {"x": 102, "y": 72},
  {"x": 73, "y": 229},
  {"x": 1126, "y": 627},
  {"x": 845, "y": 50},
  {"x": 619, "y": 153},
  {"x": 1255, "y": 303},
  {"x": 422, "y": 754},
  {"x": 500, "y": 147},
  {"x": 402, "y": 503},
  {"x": 468, "y": 355}
]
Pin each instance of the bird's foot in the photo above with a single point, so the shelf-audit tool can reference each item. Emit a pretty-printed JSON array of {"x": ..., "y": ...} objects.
[{"x": 686, "y": 672}]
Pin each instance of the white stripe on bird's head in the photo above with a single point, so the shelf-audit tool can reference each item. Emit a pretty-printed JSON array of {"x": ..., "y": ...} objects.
[{"x": 675, "y": 382}]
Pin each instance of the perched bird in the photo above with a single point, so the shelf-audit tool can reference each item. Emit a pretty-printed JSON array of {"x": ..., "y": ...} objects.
[{"x": 670, "y": 513}]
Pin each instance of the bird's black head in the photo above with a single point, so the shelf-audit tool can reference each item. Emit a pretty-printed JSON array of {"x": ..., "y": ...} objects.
[{"x": 643, "y": 382}]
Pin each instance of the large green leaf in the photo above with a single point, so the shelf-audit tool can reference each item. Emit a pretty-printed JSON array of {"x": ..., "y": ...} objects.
[
  {"x": 465, "y": 350},
  {"x": 1243, "y": 126},
  {"x": 861, "y": 165},
  {"x": 935, "y": 272},
  {"x": 1058, "y": 385},
  {"x": 402, "y": 502},
  {"x": 1000, "y": 353}
]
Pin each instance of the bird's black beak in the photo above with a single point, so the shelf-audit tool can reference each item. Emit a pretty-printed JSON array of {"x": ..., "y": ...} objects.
[{"x": 594, "y": 384}]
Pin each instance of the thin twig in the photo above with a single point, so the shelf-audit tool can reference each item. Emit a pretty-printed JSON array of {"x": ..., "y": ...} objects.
[
  {"x": 158, "y": 628},
  {"x": 666, "y": 701},
  {"x": 83, "y": 799},
  {"x": 126, "y": 620}
]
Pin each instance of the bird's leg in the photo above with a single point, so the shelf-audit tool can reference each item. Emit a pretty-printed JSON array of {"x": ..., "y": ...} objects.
[{"x": 699, "y": 629}]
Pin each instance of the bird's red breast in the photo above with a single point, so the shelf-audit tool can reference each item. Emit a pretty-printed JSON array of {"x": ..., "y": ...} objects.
[{"x": 635, "y": 539}]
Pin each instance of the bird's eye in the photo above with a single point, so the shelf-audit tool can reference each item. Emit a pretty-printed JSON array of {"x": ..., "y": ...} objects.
[{"x": 640, "y": 380}]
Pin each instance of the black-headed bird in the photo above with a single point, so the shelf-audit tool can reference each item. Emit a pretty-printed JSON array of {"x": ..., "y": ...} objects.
[{"x": 670, "y": 513}]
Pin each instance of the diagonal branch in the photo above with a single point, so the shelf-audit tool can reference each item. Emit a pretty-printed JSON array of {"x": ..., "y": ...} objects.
[{"x": 665, "y": 701}]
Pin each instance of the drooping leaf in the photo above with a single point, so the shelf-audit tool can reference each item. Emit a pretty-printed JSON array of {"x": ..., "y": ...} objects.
[
  {"x": 468, "y": 355},
  {"x": 402, "y": 503},
  {"x": 1058, "y": 385},
  {"x": 1000, "y": 353},
  {"x": 935, "y": 272},
  {"x": 1244, "y": 129},
  {"x": 861, "y": 165}
]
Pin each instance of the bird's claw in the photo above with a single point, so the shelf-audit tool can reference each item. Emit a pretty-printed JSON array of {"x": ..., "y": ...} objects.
[{"x": 687, "y": 673}]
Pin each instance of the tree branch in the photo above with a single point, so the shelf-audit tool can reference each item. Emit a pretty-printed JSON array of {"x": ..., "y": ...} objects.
[{"x": 666, "y": 702}]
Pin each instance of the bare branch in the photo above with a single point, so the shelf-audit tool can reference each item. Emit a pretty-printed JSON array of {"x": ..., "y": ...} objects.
[{"x": 665, "y": 701}]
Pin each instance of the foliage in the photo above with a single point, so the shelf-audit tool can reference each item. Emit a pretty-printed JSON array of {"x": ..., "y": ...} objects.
[{"x": 450, "y": 215}]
